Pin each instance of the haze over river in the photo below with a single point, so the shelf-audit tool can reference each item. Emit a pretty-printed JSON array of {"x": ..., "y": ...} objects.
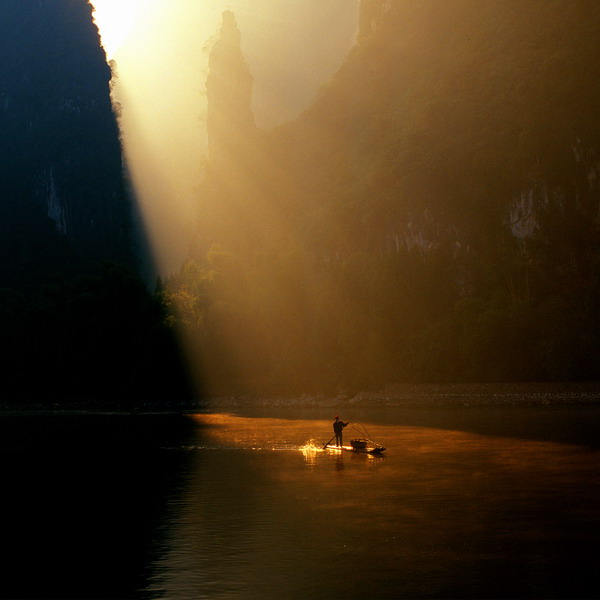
[{"x": 467, "y": 502}]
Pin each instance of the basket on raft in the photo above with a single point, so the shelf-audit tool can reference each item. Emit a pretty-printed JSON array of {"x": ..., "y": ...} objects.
[{"x": 358, "y": 444}]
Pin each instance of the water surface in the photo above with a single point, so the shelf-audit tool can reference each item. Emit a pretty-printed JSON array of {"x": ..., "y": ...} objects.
[{"x": 492, "y": 503}]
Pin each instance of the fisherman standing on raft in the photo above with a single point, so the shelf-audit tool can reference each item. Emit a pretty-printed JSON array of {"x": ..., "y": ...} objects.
[{"x": 338, "y": 427}]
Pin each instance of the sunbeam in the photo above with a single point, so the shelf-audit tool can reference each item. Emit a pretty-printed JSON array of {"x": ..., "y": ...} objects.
[
  {"x": 115, "y": 19},
  {"x": 162, "y": 58}
]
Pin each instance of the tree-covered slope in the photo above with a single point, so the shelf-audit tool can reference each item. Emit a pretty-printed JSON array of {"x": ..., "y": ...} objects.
[
  {"x": 455, "y": 107},
  {"x": 434, "y": 214}
]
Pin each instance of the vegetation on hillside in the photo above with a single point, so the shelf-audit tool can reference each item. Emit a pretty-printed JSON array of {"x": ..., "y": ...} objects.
[{"x": 432, "y": 217}]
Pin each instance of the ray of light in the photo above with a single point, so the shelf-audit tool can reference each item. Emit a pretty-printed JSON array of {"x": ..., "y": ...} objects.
[
  {"x": 115, "y": 20},
  {"x": 161, "y": 50}
]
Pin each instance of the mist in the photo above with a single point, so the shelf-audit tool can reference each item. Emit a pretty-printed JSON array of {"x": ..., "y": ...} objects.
[
  {"x": 349, "y": 195},
  {"x": 292, "y": 49}
]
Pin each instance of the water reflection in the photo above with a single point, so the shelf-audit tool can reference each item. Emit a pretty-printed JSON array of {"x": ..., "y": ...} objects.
[
  {"x": 310, "y": 451},
  {"x": 83, "y": 497},
  {"x": 223, "y": 506},
  {"x": 269, "y": 514}
]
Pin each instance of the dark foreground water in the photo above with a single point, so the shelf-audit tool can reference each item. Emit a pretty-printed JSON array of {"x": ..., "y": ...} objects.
[{"x": 467, "y": 503}]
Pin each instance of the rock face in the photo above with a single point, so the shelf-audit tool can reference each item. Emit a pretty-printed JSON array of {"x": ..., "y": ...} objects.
[
  {"x": 229, "y": 95},
  {"x": 433, "y": 216},
  {"x": 62, "y": 196},
  {"x": 371, "y": 16},
  {"x": 232, "y": 190}
]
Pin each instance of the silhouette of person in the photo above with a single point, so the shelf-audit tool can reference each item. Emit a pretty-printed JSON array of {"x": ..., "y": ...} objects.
[{"x": 338, "y": 427}]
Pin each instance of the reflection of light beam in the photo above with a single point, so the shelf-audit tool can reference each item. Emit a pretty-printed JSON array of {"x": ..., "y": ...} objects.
[
  {"x": 274, "y": 434},
  {"x": 310, "y": 451}
]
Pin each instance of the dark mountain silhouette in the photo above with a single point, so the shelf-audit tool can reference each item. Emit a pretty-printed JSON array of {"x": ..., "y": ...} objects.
[
  {"x": 62, "y": 196},
  {"x": 433, "y": 216},
  {"x": 76, "y": 322}
]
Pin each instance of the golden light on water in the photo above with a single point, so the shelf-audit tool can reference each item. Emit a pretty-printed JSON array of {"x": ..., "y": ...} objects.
[{"x": 227, "y": 429}]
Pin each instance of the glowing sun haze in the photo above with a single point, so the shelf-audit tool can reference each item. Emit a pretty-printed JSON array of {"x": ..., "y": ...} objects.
[
  {"x": 115, "y": 19},
  {"x": 161, "y": 50}
]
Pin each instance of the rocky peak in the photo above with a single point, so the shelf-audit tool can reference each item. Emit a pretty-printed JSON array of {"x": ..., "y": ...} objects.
[
  {"x": 230, "y": 119},
  {"x": 370, "y": 17}
]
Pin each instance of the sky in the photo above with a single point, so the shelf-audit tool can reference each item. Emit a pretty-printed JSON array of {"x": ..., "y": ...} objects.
[{"x": 161, "y": 48}]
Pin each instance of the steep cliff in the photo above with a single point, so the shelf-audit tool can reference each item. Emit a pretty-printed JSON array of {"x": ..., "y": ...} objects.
[
  {"x": 434, "y": 215},
  {"x": 230, "y": 119},
  {"x": 233, "y": 196},
  {"x": 72, "y": 329},
  {"x": 439, "y": 102},
  {"x": 62, "y": 196}
]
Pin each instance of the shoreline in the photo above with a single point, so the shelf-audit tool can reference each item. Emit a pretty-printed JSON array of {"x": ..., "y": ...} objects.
[
  {"x": 398, "y": 395},
  {"x": 434, "y": 395}
]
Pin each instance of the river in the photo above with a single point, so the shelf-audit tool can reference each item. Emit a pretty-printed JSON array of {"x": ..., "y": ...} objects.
[{"x": 466, "y": 502}]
